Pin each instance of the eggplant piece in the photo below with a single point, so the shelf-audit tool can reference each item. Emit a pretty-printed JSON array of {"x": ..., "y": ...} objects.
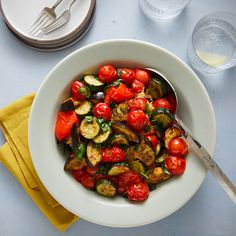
[
  {"x": 145, "y": 153},
  {"x": 121, "y": 128},
  {"x": 68, "y": 105},
  {"x": 170, "y": 133},
  {"x": 142, "y": 151},
  {"x": 74, "y": 164},
  {"x": 97, "y": 97},
  {"x": 120, "y": 112},
  {"x": 94, "y": 154}
]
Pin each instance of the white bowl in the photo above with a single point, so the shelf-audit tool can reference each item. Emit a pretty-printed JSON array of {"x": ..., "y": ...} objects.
[{"x": 195, "y": 110}]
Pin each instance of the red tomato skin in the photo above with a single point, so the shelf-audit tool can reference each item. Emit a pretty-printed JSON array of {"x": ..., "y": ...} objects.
[
  {"x": 107, "y": 74},
  {"x": 175, "y": 164},
  {"x": 102, "y": 110},
  {"x": 122, "y": 93},
  {"x": 137, "y": 86},
  {"x": 137, "y": 119},
  {"x": 178, "y": 146},
  {"x": 137, "y": 191},
  {"x": 125, "y": 178},
  {"x": 137, "y": 104},
  {"x": 108, "y": 98},
  {"x": 173, "y": 104},
  {"x": 127, "y": 75},
  {"x": 113, "y": 154},
  {"x": 64, "y": 123},
  {"x": 161, "y": 102},
  {"x": 87, "y": 181},
  {"x": 142, "y": 76},
  {"x": 91, "y": 170},
  {"x": 75, "y": 90},
  {"x": 153, "y": 140},
  {"x": 77, "y": 174}
]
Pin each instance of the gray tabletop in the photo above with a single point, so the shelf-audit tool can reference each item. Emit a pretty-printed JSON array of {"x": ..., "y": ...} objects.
[{"x": 210, "y": 211}]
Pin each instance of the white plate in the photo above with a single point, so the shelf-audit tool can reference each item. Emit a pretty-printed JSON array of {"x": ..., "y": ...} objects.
[
  {"x": 19, "y": 15},
  {"x": 195, "y": 109}
]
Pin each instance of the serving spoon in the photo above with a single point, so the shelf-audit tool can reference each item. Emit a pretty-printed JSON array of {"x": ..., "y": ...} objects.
[{"x": 195, "y": 145}]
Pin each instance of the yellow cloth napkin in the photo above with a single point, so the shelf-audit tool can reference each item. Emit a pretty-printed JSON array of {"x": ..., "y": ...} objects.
[{"x": 16, "y": 158}]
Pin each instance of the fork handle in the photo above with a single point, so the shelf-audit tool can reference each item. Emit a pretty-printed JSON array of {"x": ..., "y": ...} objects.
[{"x": 56, "y": 4}]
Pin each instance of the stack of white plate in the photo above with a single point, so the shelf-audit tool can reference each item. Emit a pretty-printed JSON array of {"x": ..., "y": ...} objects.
[{"x": 20, "y": 15}]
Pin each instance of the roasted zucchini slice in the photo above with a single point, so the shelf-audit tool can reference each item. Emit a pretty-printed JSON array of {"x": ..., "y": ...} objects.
[
  {"x": 84, "y": 108},
  {"x": 163, "y": 154},
  {"x": 162, "y": 116},
  {"x": 121, "y": 128},
  {"x": 74, "y": 164},
  {"x": 94, "y": 154},
  {"x": 157, "y": 88},
  {"x": 120, "y": 112},
  {"x": 137, "y": 166},
  {"x": 103, "y": 135},
  {"x": 118, "y": 168},
  {"x": 93, "y": 82},
  {"x": 119, "y": 139},
  {"x": 89, "y": 127},
  {"x": 106, "y": 188}
]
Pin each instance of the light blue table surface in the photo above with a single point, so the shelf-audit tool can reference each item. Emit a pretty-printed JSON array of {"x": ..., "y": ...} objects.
[{"x": 22, "y": 69}]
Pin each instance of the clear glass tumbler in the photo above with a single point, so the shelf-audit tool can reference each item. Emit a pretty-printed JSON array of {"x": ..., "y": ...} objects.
[
  {"x": 162, "y": 10},
  {"x": 212, "y": 47}
]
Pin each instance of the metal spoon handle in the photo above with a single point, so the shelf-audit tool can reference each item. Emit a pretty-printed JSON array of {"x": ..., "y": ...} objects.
[{"x": 209, "y": 163}]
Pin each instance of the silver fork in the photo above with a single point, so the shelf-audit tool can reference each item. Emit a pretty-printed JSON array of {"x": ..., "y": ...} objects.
[
  {"x": 60, "y": 21},
  {"x": 46, "y": 16}
]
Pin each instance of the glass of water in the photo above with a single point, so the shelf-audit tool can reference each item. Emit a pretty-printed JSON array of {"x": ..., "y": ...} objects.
[
  {"x": 212, "y": 47},
  {"x": 162, "y": 10}
]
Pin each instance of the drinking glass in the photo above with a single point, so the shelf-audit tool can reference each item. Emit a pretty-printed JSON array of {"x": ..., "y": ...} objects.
[
  {"x": 162, "y": 10},
  {"x": 212, "y": 47}
]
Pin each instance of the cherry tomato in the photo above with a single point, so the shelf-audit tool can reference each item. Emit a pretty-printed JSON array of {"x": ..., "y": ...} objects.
[
  {"x": 142, "y": 76},
  {"x": 153, "y": 140},
  {"x": 173, "y": 105},
  {"x": 137, "y": 86},
  {"x": 137, "y": 119},
  {"x": 148, "y": 129},
  {"x": 126, "y": 178},
  {"x": 110, "y": 91},
  {"x": 79, "y": 91},
  {"x": 137, "y": 191},
  {"x": 91, "y": 170},
  {"x": 64, "y": 123},
  {"x": 176, "y": 165},
  {"x": 113, "y": 154},
  {"x": 107, "y": 74},
  {"x": 102, "y": 110},
  {"x": 122, "y": 93},
  {"x": 77, "y": 174},
  {"x": 127, "y": 75},
  {"x": 178, "y": 146},
  {"x": 87, "y": 181},
  {"x": 161, "y": 102},
  {"x": 137, "y": 104}
]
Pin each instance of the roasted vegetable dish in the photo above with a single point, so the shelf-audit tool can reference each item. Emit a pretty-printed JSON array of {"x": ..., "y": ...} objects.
[{"x": 117, "y": 132}]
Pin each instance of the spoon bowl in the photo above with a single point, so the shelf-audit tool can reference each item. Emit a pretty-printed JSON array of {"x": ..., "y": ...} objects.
[{"x": 195, "y": 146}]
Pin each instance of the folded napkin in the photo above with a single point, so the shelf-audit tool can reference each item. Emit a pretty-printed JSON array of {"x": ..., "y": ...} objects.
[{"x": 16, "y": 158}]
